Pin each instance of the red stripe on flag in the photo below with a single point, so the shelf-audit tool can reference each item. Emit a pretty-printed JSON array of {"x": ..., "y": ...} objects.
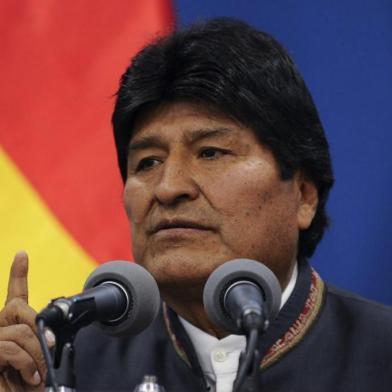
[{"x": 60, "y": 67}]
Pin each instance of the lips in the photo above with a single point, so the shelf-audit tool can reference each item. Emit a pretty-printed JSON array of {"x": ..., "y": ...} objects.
[{"x": 167, "y": 224}]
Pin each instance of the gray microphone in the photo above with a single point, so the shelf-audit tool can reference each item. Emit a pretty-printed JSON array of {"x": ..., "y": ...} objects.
[
  {"x": 241, "y": 295},
  {"x": 120, "y": 297},
  {"x": 141, "y": 292}
]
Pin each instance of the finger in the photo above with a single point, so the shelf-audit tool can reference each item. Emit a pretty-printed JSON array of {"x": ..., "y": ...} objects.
[
  {"x": 17, "y": 311},
  {"x": 12, "y": 355},
  {"x": 23, "y": 336},
  {"x": 17, "y": 285},
  {"x": 14, "y": 383},
  {"x": 50, "y": 337}
]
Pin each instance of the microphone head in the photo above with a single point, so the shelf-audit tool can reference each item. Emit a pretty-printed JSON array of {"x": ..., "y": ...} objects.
[
  {"x": 142, "y": 290},
  {"x": 239, "y": 270}
]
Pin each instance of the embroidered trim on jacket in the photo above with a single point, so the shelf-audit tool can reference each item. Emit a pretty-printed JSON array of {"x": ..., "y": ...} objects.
[
  {"x": 301, "y": 326},
  {"x": 176, "y": 343},
  {"x": 289, "y": 340}
]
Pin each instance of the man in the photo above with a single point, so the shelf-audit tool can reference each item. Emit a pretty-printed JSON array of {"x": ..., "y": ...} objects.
[{"x": 223, "y": 155}]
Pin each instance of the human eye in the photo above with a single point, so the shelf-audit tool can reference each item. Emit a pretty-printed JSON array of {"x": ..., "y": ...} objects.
[
  {"x": 212, "y": 152},
  {"x": 147, "y": 164}
]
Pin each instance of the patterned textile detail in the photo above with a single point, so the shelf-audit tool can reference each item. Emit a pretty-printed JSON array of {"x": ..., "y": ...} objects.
[
  {"x": 289, "y": 340},
  {"x": 301, "y": 326},
  {"x": 176, "y": 343}
]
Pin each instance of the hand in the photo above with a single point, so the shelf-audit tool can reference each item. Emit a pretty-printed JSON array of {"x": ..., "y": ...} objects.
[{"x": 22, "y": 366}]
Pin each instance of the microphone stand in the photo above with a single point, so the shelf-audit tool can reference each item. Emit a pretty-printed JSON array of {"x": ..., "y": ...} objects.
[
  {"x": 248, "y": 377},
  {"x": 63, "y": 366},
  {"x": 251, "y": 381},
  {"x": 60, "y": 375},
  {"x": 64, "y": 372}
]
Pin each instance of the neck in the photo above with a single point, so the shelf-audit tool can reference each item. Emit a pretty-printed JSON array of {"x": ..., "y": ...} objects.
[
  {"x": 192, "y": 310},
  {"x": 188, "y": 303}
]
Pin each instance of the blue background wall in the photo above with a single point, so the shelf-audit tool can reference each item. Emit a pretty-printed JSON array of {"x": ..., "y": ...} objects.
[{"x": 344, "y": 51}]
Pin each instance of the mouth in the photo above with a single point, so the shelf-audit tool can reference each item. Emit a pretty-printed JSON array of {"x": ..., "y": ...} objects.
[{"x": 177, "y": 225}]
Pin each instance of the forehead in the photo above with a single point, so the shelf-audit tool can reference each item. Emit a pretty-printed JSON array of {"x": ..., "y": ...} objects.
[{"x": 187, "y": 121}]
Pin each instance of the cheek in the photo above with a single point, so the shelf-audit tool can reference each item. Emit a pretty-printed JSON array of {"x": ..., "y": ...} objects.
[
  {"x": 136, "y": 202},
  {"x": 257, "y": 211},
  {"x": 243, "y": 191}
]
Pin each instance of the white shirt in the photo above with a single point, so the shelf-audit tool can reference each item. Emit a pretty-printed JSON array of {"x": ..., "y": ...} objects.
[{"x": 219, "y": 358}]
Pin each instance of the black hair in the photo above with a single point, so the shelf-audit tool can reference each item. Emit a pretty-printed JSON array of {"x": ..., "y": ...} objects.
[{"x": 247, "y": 75}]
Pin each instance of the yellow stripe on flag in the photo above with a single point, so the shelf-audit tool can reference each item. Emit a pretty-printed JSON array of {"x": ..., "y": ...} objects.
[{"x": 58, "y": 265}]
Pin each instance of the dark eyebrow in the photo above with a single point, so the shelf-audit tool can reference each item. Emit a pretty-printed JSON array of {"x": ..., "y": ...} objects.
[
  {"x": 199, "y": 134},
  {"x": 193, "y": 136},
  {"x": 146, "y": 142}
]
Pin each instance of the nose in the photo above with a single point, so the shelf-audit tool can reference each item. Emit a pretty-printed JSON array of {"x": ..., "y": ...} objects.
[{"x": 176, "y": 183}]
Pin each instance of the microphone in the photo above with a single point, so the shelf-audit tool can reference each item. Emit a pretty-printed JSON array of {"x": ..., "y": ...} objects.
[
  {"x": 120, "y": 297},
  {"x": 242, "y": 295}
]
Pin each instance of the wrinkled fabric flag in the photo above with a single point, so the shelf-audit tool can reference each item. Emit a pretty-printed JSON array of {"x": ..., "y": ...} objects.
[{"x": 60, "y": 189}]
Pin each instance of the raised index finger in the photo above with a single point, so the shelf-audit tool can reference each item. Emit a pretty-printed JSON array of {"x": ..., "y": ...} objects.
[{"x": 17, "y": 284}]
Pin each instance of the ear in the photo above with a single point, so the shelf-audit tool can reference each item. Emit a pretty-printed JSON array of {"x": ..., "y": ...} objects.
[{"x": 307, "y": 201}]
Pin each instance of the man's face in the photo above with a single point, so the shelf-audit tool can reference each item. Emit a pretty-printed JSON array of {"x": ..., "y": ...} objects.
[{"x": 202, "y": 190}]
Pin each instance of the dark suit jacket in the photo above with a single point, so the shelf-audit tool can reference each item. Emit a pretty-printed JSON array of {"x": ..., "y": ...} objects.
[{"x": 323, "y": 340}]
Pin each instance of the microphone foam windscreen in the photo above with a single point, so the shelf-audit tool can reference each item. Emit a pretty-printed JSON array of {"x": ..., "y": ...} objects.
[
  {"x": 143, "y": 295},
  {"x": 239, "y": 270}
]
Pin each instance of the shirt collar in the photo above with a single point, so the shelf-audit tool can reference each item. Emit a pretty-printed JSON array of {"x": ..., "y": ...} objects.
[{"x": 205, "y": 343}]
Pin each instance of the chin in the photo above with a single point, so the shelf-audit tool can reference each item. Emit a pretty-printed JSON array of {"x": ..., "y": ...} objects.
[{"x": 178, "y": 272}]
